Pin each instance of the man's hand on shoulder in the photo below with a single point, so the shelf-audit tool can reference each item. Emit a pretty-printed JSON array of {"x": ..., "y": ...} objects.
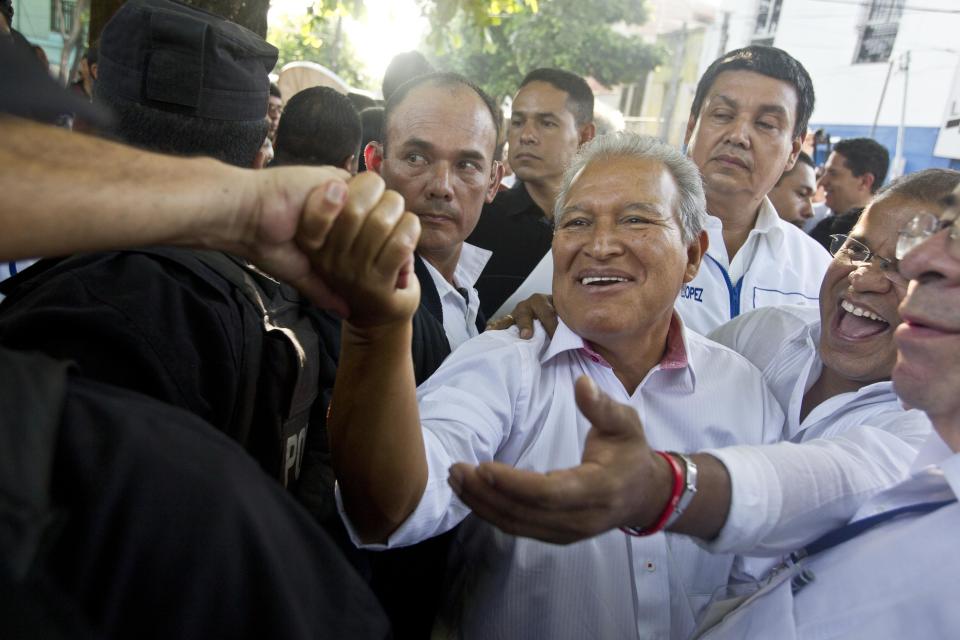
[{"x": 536, "y": 307}]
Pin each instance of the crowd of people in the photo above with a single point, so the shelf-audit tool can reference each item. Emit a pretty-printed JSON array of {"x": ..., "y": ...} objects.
[{"x": 299, "y": 366}]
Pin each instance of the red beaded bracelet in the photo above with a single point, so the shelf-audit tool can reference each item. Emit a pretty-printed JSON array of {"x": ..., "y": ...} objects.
[{"x": 668, "y": 510}]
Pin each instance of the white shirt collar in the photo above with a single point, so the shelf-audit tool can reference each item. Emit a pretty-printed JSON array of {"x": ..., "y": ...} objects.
[
  {"x": 769, "y": 224},
  {"x": 472, "y": 261},
  {"x": 459, "y": 314},
  {"x": 469, "y": 267},
  {"x": 564, "y": 339}
]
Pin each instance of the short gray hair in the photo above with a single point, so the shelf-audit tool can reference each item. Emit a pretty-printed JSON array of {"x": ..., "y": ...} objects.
[{"x": 692, "y": 204}]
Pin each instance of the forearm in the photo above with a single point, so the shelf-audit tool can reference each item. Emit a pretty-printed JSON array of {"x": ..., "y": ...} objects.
[
  {"x": 787, "y": 494},
  {"x": 375, "y": 434},
  {"x": 66, "y": 192},
  {"x": 707, "y": 512}
]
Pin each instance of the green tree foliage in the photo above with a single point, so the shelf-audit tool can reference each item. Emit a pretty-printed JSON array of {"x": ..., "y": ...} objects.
[
  {"x": 496, "y": 42},
  {"x": 316, "y": 37}
]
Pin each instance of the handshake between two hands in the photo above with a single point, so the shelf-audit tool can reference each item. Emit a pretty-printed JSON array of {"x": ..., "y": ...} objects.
[{"x": 346, "y": 243}]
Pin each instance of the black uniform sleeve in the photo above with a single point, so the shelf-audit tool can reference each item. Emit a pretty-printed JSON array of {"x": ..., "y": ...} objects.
[{"x": 173, "y": 532}]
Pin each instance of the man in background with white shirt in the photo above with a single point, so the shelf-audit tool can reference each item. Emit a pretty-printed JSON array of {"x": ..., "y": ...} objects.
[{"x": 746, "y": 125}]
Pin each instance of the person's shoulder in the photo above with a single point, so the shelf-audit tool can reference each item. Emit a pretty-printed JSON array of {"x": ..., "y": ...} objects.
[
  {"x": 800, "y": 244},
  {"x": 775, "y": 322},
  {"x": 498, "y": 343},
  {"x": 760, "y": 335},
  {"x": 725, "y": 363}
]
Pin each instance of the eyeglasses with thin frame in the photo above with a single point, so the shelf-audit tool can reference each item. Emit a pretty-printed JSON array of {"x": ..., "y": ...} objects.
[
  {"x": 925, "y": 225},
  {"x": 855, "y": 253}
]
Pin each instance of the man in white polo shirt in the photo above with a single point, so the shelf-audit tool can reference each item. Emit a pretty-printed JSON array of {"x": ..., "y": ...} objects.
[{"x": 746, "y": 124}]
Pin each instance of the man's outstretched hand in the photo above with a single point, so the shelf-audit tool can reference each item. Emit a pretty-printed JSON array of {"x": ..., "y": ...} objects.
[{"x": 621, "y": 481}]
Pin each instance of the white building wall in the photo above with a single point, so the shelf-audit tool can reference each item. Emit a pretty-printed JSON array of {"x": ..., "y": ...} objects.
[{"x": 823, "y": 36}]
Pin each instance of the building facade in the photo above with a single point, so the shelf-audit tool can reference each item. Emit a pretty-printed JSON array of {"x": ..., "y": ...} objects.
[{"x": 881, "y": 68}]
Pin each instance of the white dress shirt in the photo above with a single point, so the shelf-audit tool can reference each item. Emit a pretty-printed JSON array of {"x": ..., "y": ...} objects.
[
  {"x": 459, "y": 314},
  {"x": 856, "y": 443},
  {"x": 502, "y": 398},
  {"x": 895, "y": 581},
  {"x": 778, "y": 264}
]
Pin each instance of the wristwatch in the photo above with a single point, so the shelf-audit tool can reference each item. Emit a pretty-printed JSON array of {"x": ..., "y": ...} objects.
[{"x": 689, "y": 489}]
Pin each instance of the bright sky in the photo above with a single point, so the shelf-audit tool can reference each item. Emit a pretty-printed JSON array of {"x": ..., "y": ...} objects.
[{"x": 389, "y": 27}]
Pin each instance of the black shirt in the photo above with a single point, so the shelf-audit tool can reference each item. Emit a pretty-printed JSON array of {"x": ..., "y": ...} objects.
[
  {"x": 153, "y": 525},
  {"x": 519, "y": 234}
]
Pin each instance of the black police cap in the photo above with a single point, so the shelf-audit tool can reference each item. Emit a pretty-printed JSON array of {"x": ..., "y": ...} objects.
[{"x": 172, "y": 57}]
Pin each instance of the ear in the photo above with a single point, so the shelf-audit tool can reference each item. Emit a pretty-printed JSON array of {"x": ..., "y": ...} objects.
[
  {"x": 496, "y": 175},
  {"x": 691, "y": 125},
  {"x": 93, "y": 70},
  {"x": 350, "y": 164},
  {"x": 695, "y": 253},
  {"x": 587, "y": 133},
  {"x": 373, "y": 156},
  {"x": 866, "y": 181},
  {"x": 795, "y": 148}
]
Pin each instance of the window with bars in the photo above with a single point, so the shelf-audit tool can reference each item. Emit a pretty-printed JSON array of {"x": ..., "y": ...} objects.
[
  {"x": 879, "y": 31},
  {"x": 768, "y": 17},
  {"x": 69, "y": 6}
]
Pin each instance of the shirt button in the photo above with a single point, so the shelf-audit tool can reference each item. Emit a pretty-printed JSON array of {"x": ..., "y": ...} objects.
[{"x": 650, "y": 566}]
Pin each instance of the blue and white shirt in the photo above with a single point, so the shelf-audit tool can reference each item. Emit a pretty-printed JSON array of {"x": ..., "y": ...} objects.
[{"x": 778, "y": 264}]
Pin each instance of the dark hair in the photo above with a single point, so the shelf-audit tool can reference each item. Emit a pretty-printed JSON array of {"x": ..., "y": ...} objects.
[
  {"x": 402, "y": 68},
  {"x": 802, "y": 158},
  {"x": 233, "y": 141},
  {"x": 319, "y": 126},
  {"x": 275, "y": 91},
  {"x": 580, "y": 95},
  {"x": 928, "y": 185},
  {"x": 865, "y": 155},
  {"x": 442, "y": 79},
  {"x": 841, "y": 223},
  {"x": 768, "y": 61},
  {"x": 371, "y": 127},
  {"x": 361, "y": 101}
]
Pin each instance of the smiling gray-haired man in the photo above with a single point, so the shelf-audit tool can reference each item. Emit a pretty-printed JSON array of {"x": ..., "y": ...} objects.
[{"x": 628, "y": 236}]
